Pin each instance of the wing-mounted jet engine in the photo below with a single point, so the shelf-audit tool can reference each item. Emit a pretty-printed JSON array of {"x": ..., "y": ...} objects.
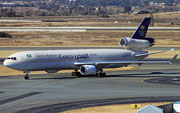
[
  {"x": 88, "y": 69},
  {"x": 138, "y": 39}
]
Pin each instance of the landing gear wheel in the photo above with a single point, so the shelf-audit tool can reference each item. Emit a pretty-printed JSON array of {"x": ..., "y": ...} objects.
[
  {"x": 90, "y": 75},
  {"x": 104, "y": 74},
  {"x": 78, "y": 74},
  {"x": 99, "y": 75},
  {"x": 26, "y": 77},
  {"x": 73, "y": 74}
]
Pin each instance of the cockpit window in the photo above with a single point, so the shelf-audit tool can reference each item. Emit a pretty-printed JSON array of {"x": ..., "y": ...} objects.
[{"x": 12, "y": 58}]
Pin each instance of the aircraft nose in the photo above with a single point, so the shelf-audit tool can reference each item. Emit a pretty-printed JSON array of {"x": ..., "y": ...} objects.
[
  {"x": 11, "y": 62},
  {"x": 5, "y": 63},
  {"x": 8, "y": 64}
]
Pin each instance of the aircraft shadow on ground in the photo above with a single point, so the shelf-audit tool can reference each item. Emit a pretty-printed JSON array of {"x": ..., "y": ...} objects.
[
  {"x": 142, "y": 75},
  {"x": 60, "y": 78},
  {"x": 152, "y": 74}
]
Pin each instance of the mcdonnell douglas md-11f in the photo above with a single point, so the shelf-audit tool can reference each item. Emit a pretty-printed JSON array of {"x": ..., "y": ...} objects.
[{"x": 87, "y": 61}]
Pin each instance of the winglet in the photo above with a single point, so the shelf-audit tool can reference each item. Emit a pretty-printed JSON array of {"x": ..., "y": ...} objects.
[{"x": 172, "y": 59}]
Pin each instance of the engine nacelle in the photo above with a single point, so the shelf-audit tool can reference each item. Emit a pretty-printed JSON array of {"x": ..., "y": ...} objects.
[
  {"x": 87, "y": 69},
  {"x": 51, "y": 71},
  {"x": 130, "y": 43}
]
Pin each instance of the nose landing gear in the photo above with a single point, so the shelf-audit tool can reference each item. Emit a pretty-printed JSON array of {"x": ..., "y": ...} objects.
[{"x": 26, "y": 77}]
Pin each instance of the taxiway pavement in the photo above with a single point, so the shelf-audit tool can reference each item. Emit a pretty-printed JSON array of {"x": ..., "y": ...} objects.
[
  {"x": 60, "y": 92},
  {"x": 81, "y": 29}
]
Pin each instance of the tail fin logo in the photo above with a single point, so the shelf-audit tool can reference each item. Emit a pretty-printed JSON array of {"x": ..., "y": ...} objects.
[{"x": 141, "y": 30}]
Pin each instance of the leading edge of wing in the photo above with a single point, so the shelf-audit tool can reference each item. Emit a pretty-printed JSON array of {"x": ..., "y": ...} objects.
[{"x": 122, "y": 62}]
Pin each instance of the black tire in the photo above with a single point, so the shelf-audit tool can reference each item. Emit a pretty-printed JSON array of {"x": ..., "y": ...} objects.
[
  {"x": 78, "y": 74},
  {"x": 26, "y": 77},
  {"x": 91, "y": 75},
  {"x": 73, "y": 74},
  {"x": 99, "y": 75},
  {"x": 104, "y": 74}
]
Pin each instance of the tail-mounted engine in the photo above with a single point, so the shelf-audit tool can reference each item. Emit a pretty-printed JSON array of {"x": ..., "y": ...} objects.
[{"x": 130, "y": 43}]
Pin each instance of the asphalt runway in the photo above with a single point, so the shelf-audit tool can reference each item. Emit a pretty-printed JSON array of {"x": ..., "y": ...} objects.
[
  {"x": 61, "y": 92},
  {"x": 1, "y": 61},
  {"x": 81, "y": 29}
]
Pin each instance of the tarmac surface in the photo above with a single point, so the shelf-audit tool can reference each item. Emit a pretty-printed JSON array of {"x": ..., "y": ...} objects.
[
  {"x": 81, "y": 29},
  {"x": 60, "y": 92}
]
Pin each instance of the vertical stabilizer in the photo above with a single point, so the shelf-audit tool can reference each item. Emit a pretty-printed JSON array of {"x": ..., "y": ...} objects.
[{"x": 140, "y": 32}]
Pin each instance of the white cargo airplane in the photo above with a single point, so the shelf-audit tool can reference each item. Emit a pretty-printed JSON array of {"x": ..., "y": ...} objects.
[{"x": 88, "y": 61}]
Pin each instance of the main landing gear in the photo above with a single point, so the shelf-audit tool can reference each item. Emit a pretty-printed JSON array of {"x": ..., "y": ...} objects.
[
  {"x": 100, "y": 74},
  {"x": 26, "y": 77},
  {"x": 76, "y": 73}
]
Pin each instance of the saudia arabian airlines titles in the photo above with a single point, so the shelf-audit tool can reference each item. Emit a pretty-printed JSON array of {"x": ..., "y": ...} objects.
[{"x": 61, "y": 56}]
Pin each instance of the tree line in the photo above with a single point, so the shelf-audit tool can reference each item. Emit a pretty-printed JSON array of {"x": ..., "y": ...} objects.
[{"x": 120, "y": 3}]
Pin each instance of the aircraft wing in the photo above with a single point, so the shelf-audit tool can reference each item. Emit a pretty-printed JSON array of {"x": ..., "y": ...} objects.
[{"x": 96, "y": 63}]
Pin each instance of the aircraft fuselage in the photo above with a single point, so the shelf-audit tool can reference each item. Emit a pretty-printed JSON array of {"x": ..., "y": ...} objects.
[{"x": 65, "y": 59}]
